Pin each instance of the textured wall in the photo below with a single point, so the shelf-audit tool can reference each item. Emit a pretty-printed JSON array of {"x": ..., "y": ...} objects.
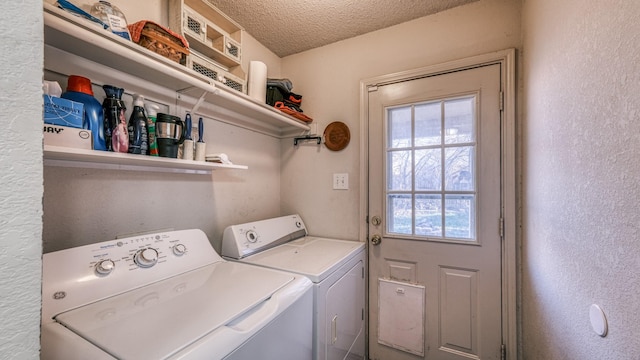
[
  {"x": 329, "y": 78},
  {"x": 21, "y": 179},
  {"x": 581, "y": 193}
]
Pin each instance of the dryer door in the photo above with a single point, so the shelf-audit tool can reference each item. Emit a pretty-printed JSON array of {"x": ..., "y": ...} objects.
[{"x": 344, "y": 320}]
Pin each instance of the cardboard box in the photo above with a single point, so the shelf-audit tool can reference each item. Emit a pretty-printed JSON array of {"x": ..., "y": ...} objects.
[
  {"x": 63, "y": 112},
  {"x": 67, "y": 136}
]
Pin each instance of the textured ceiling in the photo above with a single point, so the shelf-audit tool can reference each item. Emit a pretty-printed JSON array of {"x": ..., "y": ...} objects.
[{"x": 288, "y": 27}]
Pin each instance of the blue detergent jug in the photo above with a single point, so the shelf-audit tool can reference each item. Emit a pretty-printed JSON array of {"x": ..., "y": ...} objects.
[{"x": 79, "y": 90}]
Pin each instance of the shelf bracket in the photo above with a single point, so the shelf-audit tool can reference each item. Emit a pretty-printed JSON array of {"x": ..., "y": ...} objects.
[
  {"x": 205, "y": 92},
  {"x": 318, "y": 139},
  {"x": 199, "y": 102}
]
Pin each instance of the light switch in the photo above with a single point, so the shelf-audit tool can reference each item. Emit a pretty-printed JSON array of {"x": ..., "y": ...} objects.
[{"x": 341, "y": 181}]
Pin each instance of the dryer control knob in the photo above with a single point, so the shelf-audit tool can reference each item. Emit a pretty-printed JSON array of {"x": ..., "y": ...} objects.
[
  {"x": 105, "y": 267},
  {"x": 252, "y": 236},
  {"x": 179, "y": 249},
  {"x": 146, "y": 257}
]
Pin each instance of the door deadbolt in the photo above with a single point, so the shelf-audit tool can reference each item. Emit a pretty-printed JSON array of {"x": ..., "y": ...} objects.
[
  {"x": 376, "y": 239},
  {"x": 376, "y": 221}
]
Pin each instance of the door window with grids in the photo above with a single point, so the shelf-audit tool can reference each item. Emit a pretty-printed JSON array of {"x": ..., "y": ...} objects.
[{"x": 431, "y": 169}]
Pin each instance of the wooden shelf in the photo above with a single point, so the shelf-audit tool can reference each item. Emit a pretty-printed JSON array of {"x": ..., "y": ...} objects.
[
  {"x": 71, "y": 157},
  {"x": 76, "y": 45}
]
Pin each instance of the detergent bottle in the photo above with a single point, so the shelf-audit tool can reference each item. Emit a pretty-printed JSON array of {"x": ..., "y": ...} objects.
[
  {"x": 79, "y": 89},
  {"x": 138, "y": 136},
  {"x": 115, "y": 123}
]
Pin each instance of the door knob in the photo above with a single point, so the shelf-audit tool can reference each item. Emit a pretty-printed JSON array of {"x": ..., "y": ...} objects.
[
  {"x": 376, "y": 239},
  {"x": 376, "y": 221}
]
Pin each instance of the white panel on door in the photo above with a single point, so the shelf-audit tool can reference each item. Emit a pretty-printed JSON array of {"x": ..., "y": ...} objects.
[
  {"x": 401, "y": 316},
  {"x": 458, "y": 310},
  {"x": 403, "y": 271}
]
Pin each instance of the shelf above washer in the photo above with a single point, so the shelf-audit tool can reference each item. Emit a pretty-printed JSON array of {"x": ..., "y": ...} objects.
[
  {"x": 66, "y": 35},
  {"x": 71, "y": 157}
]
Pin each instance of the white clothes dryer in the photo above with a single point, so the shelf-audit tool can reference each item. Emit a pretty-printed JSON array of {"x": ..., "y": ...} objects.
[
  {"x": 170, "y": 296},
  {"x": 336, "y": 268}
]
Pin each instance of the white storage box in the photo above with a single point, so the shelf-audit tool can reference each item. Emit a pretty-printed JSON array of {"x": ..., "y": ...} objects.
[{"x": 55, "y": 135}]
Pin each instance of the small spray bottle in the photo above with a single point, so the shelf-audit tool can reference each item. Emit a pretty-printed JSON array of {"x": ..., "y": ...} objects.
[{"x": 152, "y": 114}]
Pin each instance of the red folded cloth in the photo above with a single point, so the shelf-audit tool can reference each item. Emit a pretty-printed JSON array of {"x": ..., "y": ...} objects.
[
  {"x": 289, "y": 111},
  {"x": 136, "y": 30}
]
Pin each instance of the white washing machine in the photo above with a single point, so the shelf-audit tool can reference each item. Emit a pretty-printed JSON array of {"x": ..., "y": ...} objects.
[
  {"x": 336, "y": 268},
  {"x": 170, "y": 296}
]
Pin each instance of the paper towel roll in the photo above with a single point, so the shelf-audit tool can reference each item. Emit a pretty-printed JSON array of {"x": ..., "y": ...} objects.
[{"x": 257, "y": 88}]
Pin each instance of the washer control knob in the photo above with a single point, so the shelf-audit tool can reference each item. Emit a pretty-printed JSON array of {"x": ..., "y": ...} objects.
[
  {"x": 105, "y": 267},
  {"x": 252, "y": 236},
  {"x": 298, "y": 224},
  {"x": 146, "y": 258},
  {"x": 179, "y": 249}
]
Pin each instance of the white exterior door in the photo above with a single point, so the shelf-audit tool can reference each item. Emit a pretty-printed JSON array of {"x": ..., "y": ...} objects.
[{"x": 435, "y": 217}]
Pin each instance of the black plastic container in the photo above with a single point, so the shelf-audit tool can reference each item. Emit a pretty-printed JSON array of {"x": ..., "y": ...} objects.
[{"x": 170, "y": 133}]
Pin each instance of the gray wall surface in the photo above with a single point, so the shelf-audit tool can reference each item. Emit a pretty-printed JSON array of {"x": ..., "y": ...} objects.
[
  {"x": 21, "y": 179},
  {"x": 580, "y": 160}
]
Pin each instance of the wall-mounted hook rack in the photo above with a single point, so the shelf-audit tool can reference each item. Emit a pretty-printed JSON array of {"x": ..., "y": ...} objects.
[{"x": 318, "y": 139}]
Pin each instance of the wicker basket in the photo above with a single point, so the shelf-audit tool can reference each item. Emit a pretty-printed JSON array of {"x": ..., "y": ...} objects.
[{"x": 161, "y": 42}]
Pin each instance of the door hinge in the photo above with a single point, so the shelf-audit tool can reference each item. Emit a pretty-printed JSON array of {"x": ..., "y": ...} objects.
[
  {"x": 501, "y": 97},
  {"x": 501, "y": 226},
  {"x": 503, "y": 352}
]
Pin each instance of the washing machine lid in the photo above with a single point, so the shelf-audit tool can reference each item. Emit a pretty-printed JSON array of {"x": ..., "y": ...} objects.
[
  {"x": 158, "y": 320},
  {"x": 313, "y": 257}
]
